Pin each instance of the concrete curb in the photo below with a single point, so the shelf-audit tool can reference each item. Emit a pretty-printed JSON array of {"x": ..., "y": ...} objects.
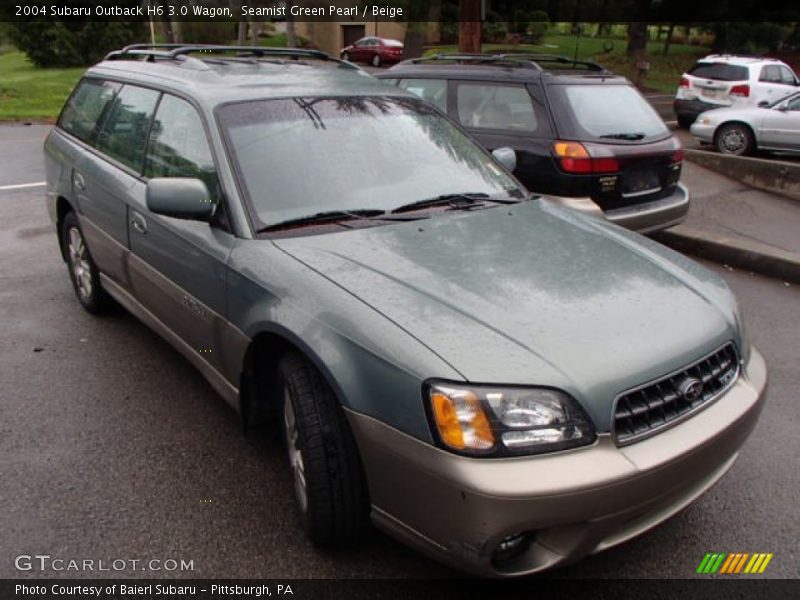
[
  {"x": 737, "y": 252},
  {"x": 774, "y": 176}
]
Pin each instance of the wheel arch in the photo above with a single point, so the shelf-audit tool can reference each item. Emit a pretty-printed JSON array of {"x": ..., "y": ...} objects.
[
  {"x": 258, "y": 397},
  {"x": 63, "y": 206}
]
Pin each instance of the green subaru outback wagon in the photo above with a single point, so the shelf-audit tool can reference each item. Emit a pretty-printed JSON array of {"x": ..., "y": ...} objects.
[{"x": 500, "y": 382}]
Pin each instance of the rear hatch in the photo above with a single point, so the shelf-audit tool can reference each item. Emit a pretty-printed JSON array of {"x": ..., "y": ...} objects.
[
  {"x": 613, "y": 143},
  {"x": 718, "y": 83}
]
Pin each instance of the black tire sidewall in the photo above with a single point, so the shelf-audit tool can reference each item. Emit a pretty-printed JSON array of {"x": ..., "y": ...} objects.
[
  {"x": 337, "y": 503},
  {"x": 98, "y": 301},
  {"x": 724, "y": 129}
]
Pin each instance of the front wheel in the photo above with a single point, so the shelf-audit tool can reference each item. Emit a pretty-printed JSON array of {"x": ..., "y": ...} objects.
[
  {"x": 735, "y": 139},
  {"x": 376, "y": 61},
  {"x": 328, "y": 480},
  {"x": 345, "y": 56},
  {"x": 82, "y": 270}
]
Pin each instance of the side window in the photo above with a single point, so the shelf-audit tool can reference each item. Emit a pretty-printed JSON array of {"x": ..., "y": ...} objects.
[
  {"x": 124, "y": 133},
  {"x": 793, "y": 104},
  {"x": 85, "y": 110},
  {"x": 488, "y": 106},
  {"x": 432, "y": 90},
  {"x": 770, "y": 74},
  {"x": 787, "y": 76},
  {"x": 178, "y": 145}
]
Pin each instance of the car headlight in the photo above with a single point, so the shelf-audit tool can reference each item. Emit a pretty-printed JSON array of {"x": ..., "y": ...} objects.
[
  {"x": 704, "y": 120},
  {"x": 482, "y": 420}
]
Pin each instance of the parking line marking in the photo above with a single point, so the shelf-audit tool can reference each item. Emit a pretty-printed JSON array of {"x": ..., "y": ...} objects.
[{"x": 22, "y": 186}]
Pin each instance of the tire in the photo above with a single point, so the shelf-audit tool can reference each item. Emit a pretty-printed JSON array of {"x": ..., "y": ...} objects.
[
  {"x": 735, "y": 139},
  {"x": 82, "y": 271},
  {"x": 345, "y": 56},
  {"x": 329, "y": 483},
  {"x": 685, "y": 122},
  {"x": 376, "y": 61}
]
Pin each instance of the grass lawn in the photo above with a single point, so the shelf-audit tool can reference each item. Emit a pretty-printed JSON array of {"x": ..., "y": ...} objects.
[
  {"x": 664, "y": 74},
  {"x": 28, "y": 93}
]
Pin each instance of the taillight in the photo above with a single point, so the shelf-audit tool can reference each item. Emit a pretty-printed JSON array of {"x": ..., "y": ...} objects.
[
  {"x": 685, "y": 83},
  {"x": 743, "y": 91},
  {"x": 574, "y": 158},
  {"x": 677, "y": 156}
]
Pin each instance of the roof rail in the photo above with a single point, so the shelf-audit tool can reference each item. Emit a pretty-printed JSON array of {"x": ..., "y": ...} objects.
[
  {"x": 522, "y": 59},
  {"x": 181, "y": 51}
]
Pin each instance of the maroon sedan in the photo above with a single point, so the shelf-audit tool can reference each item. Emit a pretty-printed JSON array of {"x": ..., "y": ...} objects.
[{"x": 374, "y": 50}]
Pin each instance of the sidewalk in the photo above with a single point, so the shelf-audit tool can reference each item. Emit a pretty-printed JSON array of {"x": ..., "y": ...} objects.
[{"x": 732, "y": 223}]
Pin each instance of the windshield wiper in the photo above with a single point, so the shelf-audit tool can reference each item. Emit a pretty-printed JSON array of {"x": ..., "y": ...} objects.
[
  {"x": 624, "y": 136},
  {"x": 333, "y": 216},
  {"x": 458, "y": 201}
]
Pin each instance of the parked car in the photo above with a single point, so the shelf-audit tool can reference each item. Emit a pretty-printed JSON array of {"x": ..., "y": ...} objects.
[
  {"x": 498, "y": 381},
  {"x": 741, "y": 131},
  {"x": 374, "y": 51},
  {"x": 580, "y": 133},
  {"x": 721, "y": 81}
]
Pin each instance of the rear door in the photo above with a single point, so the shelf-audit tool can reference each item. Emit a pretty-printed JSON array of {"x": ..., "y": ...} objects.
[
  {"x": 103, "y": 179},
  {"x": 178, "y": 267},
  {"x": 507, "y": 114}
]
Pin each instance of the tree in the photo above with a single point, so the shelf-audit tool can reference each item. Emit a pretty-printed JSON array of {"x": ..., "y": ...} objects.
[
  {"x": 469, "y": 30},
  {"x": 74, "y": 42}
]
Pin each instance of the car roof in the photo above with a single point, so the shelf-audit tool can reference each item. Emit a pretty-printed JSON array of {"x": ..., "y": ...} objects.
[
  {"x": 215, "y": 80},
  {"x": 734, "y": 59},
  {"x": 507, "y": 67}
]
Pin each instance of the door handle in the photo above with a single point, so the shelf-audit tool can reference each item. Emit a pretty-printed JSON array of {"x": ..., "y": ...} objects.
[
  {"x": 138, "y": 223},
  {"x": 78, "y": 181}
]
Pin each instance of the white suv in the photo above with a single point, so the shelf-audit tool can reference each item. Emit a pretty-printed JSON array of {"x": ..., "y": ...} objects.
[{"x": 718, "y": 81}]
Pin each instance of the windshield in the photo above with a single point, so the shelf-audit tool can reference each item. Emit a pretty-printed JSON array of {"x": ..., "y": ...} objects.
[
  {"x": 607, "y": 112},
  {"x": 301, "y": 156}
]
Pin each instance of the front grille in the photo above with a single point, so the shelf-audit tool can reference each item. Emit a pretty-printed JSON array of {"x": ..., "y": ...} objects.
[{"x": 655, "y": 406}]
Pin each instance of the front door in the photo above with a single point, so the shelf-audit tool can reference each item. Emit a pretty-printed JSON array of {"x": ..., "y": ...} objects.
[
  {"x": 781, "y": 128},
  {"x": 178, "y": 267}
]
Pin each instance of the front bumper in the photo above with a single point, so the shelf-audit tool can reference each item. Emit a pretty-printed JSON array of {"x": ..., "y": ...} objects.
[
  {"x": 458, "y": 509},
  {"x": 703, "y": 133}
]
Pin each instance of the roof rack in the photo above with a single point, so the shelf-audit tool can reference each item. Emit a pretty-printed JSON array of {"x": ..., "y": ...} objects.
[
  {"x": 529, "y": 60},
  {"x": 182, "y": 52}
]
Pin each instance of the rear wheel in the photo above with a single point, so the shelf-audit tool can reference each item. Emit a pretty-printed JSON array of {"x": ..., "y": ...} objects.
[
  {"x": 735, "y": 139},
  {"x": 376, "y": 61},
  {"x": 345, "y": 56},
  {"x": 328, "y": 480},
  {"x": 82, "y": 270}
]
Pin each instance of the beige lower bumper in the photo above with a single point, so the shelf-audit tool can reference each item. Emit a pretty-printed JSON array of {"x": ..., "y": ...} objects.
[{"x": 458, "y": 509}]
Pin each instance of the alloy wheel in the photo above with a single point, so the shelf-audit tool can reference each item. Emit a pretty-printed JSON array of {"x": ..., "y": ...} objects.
[
  {"x": 296, "y": 462},
  {"x": 79, "y": 261}
]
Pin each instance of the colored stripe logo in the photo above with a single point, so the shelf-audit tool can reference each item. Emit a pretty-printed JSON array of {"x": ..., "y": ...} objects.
[{"x": 734, "y": 563}]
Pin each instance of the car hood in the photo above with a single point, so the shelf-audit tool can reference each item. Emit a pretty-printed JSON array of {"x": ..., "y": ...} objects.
[
  {"x": 752, "y": 115},
  {"x": 532, "y": 294}
]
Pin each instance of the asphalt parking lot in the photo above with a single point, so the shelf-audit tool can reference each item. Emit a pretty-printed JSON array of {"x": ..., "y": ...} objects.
[{"x": 113, "y": 447}]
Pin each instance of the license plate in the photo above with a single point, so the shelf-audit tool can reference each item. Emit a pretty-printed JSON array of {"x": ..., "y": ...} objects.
[
  {"x": 710, "y": 93},
  {"x": 640, "y": 182}
]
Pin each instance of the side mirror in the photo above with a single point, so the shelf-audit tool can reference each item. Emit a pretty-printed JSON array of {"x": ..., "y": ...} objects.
[
  {"x": 179, "y": 197},
  {"x": 783, "y": 107},
  {"x": 506, "y": 157}
]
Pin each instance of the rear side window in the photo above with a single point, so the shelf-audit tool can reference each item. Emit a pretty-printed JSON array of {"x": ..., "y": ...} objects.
[
  {"x": 611, "y": 113},
  {"x": 489, "y": 106},
  {"x": 124, "y": 134},
  {"x": 431, "y": 90},
  {"x": 86, "y": 108},
  {"x": 787, "y": 76},
  {"x": 771, "y": 74},
  {"x": 720, "y": 71},
  {"x": 178, "y": 144}
]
